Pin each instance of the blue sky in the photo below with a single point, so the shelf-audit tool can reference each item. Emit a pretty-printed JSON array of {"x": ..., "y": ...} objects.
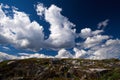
[{"x": 84, "y": 15}]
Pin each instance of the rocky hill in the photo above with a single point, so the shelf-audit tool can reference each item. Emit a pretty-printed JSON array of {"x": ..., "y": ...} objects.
[{"x": 60, "y": 69}]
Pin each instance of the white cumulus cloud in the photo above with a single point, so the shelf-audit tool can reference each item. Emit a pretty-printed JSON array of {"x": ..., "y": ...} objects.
[
  {"x": 87, "y": 32},
  {"x": 5, "y": 56},
  {"x": 97, "y": 46},
  {"x": 95, "y": 40},
  {"x": 62, "y": 35},
  {"x": 63, "y": 53},
  {"x": 40, "y": 9},
  {"x": 35, "y": 55},
  {"x": 80, "y": 53},
  {"x": 23, "y": 33},
  {"x": 109, "y": 50},
  {"x": 20, "y": 32}
]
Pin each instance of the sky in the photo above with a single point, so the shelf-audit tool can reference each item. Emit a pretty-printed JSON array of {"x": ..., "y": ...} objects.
[{"x": 60, "y": 28}]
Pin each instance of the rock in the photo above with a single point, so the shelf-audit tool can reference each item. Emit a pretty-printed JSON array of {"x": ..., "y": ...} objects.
[{"x": 10, "y": 62}]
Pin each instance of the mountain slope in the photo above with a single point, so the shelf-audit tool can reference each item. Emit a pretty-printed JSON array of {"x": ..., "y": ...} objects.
[{"x": 60, "y": 69}]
